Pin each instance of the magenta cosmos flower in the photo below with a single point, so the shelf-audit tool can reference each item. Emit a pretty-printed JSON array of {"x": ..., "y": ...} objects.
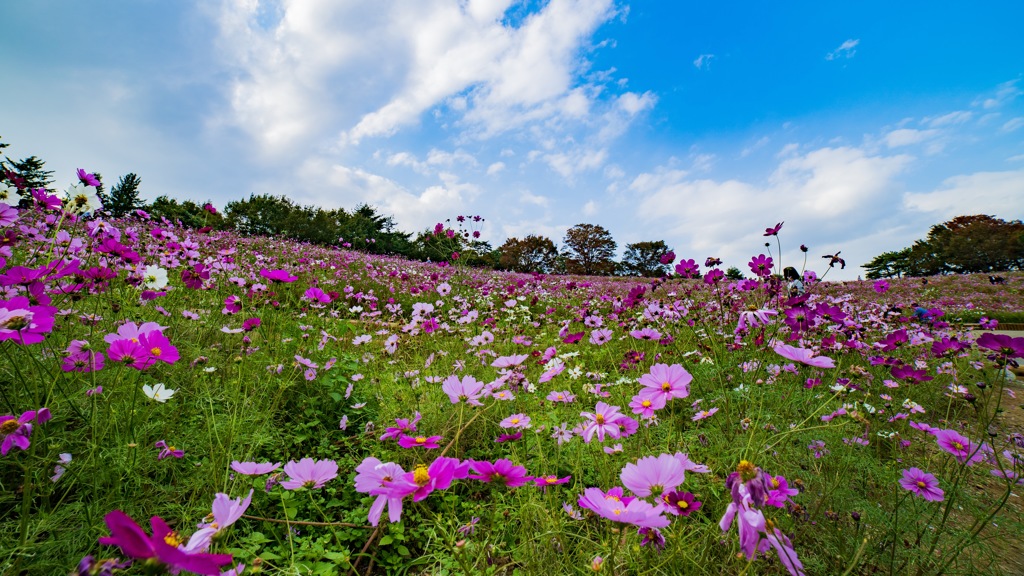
[
  {"x": 404, "y": 425},
  {"x": 803, "y": 355},
  {"x": 467, "y": 389},
  {"x": 162, "y": 546},
  {"x": 680, "y": 503},
  {"x": 438, "y": 476},
  {"x": 960, "y": 446},
  {"x": 647, "y": 406},
  {"x": 24, "y": 323},
  {"x": 761, "y": 265},
  {"x": 653, "y": 475},
  {"x": 278, "y": 275},
  {"x": 14, "y": 432},
  {"x": 666, "y": 381},
  {"x": 550, "y": 480},
  {"x": 309, "y": 473},
  {"x": 502, "y": 471},
  {"x": 1003, "y": 344},
  {"x": 922, "y": 484},
  {"x": 427, "y": 442}
]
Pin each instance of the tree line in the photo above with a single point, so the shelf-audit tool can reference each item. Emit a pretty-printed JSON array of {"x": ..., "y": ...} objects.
[
  {"x": 964, "y": 245},
  {"x": 587, "y": 249}
]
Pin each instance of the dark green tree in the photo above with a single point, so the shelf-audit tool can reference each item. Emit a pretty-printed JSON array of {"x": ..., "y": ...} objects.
[
  {"x": 31, "y": 171},
  {"x": 644, "y": 259},
  {"x": 734, "y": 273},
  {"x": 531, "y": 254},
  {"x": 589, "y": 249},
  {"x": 889, "y": 265},
  {"x": 187, "y": 212},
  {"x": 124, "y": 196}
]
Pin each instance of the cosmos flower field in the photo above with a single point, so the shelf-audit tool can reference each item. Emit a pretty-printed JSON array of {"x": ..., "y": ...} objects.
[{"x": 200, "y": 402}]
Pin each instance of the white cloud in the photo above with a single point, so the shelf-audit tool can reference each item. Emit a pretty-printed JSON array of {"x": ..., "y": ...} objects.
[
  {"x": 907, "y": 137},
  {"x": 958, "y": 117},
  {"x": 589, "y": 209},
  {"x": 995, "y": 193},
  {"x": 825, "y": 195},
  {"x": 1003, "y": 94},
  {"x": 703, "y": 62},
  {"x": 347, "y": 186},
  {"x": 576, "y": 161},
  {"x": 845, "y": 50},
  {"x": 527, "y": 197},
  {"x": 495, "y": 168},
  {"x": 1013, "y": 124},
  {"x": 369, "y": 69}
]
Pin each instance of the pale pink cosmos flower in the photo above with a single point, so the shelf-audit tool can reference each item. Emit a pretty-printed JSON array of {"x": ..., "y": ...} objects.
[
  {"x": 309, "y": 473},
  {"x": 666, "y": 381},
  {"x": 653, "y": 475},
  {"x": 803, "y": 355},
  {"x": 468, "y": 389}
]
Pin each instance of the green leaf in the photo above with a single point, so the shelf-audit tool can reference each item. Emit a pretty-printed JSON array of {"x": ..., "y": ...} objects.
[{"x": 386, "y": 540}]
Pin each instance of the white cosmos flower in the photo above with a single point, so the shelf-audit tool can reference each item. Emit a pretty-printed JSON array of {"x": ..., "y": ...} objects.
[
  {"x": 81, "y": 199},
  {"x": 158, "y": 392},
  {"x": 155, "y": 277}
]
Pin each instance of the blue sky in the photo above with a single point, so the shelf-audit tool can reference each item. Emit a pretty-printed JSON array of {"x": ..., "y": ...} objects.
[{"x": 858, "y": 124}]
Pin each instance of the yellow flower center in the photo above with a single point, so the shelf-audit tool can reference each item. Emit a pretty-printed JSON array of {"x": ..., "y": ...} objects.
[
  {"x": 155, "y": 351},
  {"x": 646, "y": 403},
  {"x": 420, "y": 475},
  {"x": 8, "y": 426},
  {"x": 551, "y": 479},
  {"x": 921, "y": 484},
  {"x": 775, "y": 482},
  {"x": 958, "y": 445},
  {"x": 599, "y": 418},
  {"x": 515, "y": 420},
  {"x": 683, "y": 504},
  {"x": 665, "y": 386},
  {"x": 172, "y": 539},
  {"x": 421, "y": 440},
  {"x": 747, "y": 470}
]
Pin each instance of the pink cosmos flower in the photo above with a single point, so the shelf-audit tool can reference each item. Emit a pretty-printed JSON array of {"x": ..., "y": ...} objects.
[
  {"x": 646, "y": 334},
  {"x": 82, "y": 361},
  {"x": 225, "y": 511},
  {"x": 24, "y": 323},
  {"x": 922, "y": 484},
  {"x": 960, "y": 446},
  {"x": 636, "y": 512},
  {"x": 316, "y": 295},
  {"x": 803, "y": 355},
  {"x": 426, "y": 442},
  {"x": 704, "y": 414},
  {"x": 254, "y": 468},
  {"x": 653, "y": 475},
  {"x": 385, "y": 481},
  {"x": 647, "y": 406},
  {"x": 14, "y": 432},
  {"x": 404, "y": 425},
  {"x": 774, "y": 230},
  {"x": 509, "y": 361},
  {"x": 135, "y": 543},
  {"x": 166, "y": 450},
  {"x": 778, "y": 491},
  {"x": 309, "y": 473},
  {"x": 564, "y": 396},
  {"x": 516, "y": 421},
  {"x": 468, "y": 388},
  {"x": 603, "y": 421},
  {"x": 550, "y": 480},
  {"x": 600, "y": 336},
  {"x": 666, "y": 381},
  {"x": 690, "y": 465},
  {"x": 87, "y": 178},
  {"x": 502, "y": 471}
]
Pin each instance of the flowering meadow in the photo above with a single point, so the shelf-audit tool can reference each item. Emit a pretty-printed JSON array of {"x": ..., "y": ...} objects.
[{"x": 184, "y": 401}]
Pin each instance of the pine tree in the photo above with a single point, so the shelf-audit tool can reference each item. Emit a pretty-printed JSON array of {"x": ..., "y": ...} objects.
[{"x": 124, "y": 197}]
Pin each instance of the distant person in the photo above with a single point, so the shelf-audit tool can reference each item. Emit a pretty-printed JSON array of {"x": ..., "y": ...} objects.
[
  {"x": 996, "y": 280},
  {"x": 796, "y": 285}
]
